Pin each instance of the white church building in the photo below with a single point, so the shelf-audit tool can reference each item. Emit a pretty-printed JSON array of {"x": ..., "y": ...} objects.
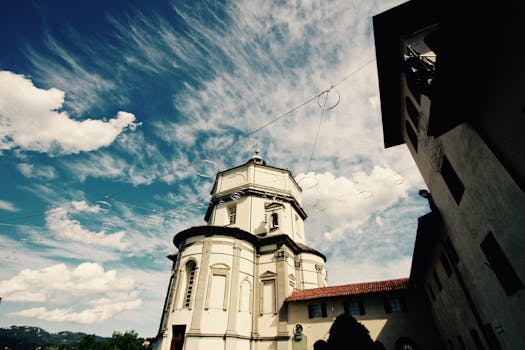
[{"x": 238, "y": 283}]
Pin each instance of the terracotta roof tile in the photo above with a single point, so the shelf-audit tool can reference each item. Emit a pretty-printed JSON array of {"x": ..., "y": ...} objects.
[{"x": 350, "y": 289}]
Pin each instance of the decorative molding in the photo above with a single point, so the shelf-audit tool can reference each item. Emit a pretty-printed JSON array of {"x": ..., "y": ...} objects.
[
  {"x": 281, "y": 255},
  {"x": 297, "y": 263},
  {"x": 218, "y": 269},
  {"x": 268, "y": 275},
  {"x": 221, "y": 198},
  {"x": 253, "y": 337},
  {"x": 257, "y": 242}
]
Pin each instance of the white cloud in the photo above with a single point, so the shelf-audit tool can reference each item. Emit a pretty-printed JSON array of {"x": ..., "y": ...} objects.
[
  {"x": 101, "y": 294},
  {"x": 8, "y": 206},
  {"x": 32, "y": 171},
  {"x": 59, "y": 221},
  {"x": 343, "y": 204},
  {"x": 83, "y": 206},
  {"x": 345, "y": 269},
  {"x": 30, "y": 118},
  {"x": 98, "y": 165},
  {"x": 97, "y": 314}
]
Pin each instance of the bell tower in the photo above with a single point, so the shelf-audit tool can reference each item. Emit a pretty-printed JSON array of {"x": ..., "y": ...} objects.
[
  {"x": 230, "y": 277},
  {"x": 259, "y": 199}
]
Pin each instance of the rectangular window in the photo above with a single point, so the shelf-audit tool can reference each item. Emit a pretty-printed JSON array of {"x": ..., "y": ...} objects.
[
  {"x": 412, "y": 111},
  {"x": 395, "y": 305},
  {"x": 498, "y": 262},
  {"x": 317, "y": 310},
  {"x": 354, "y": 307},
  {"x": 218, "y": 291},
  {"x": 445, "y": 263},
  {"x": 412, "y": 136},
  {"x": 232, "y": 213},
  {"x": 451, "y": 251},
  {"x": 268, "y": 304},
  {"x": 452, "y": 180},
  {"x": 437, "y": 281}
]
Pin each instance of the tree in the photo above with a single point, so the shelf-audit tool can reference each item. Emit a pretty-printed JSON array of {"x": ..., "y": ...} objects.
[
  {"x": 88, "y": 343},
  {"x": 123, "y": 341}
]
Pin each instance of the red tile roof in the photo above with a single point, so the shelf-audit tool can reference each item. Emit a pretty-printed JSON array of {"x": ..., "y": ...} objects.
[{"x": 350, "y": 289}]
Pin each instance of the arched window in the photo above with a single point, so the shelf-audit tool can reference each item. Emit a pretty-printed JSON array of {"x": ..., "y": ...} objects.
[
  {"x": 275, "y": 220},
  {"x": 245, "y": 296},
  {"x": 190, "y": 279}
]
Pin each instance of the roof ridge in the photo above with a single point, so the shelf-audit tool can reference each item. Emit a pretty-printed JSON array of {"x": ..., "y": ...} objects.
[{"x": 350, "y": 289}]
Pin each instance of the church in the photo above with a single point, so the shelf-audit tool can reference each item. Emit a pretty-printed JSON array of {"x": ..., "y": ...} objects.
[{"x": 248, "y": 281}]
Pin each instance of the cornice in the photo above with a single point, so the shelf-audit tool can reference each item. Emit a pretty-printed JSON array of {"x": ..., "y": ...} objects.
[{"x": 234, "y": 232}]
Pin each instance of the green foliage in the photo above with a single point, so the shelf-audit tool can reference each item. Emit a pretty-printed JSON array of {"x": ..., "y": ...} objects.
[
  {"x": 119, "y": 341},
  {"x": 29, "y": 338},
  {"x": 88, "y": 343},
  {"x": 123, "y": 341}
]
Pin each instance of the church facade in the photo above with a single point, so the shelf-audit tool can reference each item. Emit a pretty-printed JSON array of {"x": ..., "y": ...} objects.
[
  {"x": 230, "y": 278},
  {"x": 247, "y": 281}
]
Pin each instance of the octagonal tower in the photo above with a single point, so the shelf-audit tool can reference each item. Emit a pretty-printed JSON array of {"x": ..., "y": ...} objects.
[{"x": 230, "y": 278}]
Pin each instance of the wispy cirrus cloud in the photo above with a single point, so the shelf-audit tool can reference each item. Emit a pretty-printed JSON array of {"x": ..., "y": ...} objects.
[
  {"x": 61, "y": 68},
  {"x": 8, "y": 206},
  {"x": 33, "y": 171}
]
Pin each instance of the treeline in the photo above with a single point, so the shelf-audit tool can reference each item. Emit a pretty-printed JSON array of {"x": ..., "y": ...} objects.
[
  {"x": 118, "y": 341},
  {"x": 31, "y": 338}
]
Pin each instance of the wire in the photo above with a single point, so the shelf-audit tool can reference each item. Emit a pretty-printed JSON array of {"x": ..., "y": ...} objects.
[
  {"x": 318, "y": 128},
  {"x": 274, "y": 120}
]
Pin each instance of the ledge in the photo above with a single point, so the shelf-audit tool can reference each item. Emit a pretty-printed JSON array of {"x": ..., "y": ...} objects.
[{"x": 234, "y": 232}]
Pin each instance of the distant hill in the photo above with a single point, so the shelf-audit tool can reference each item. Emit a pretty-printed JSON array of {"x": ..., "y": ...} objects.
[{"x": 30, "y": 338}]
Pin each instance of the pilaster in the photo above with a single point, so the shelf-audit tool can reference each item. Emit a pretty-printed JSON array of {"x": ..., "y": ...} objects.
[
  {"x": 282, "y": 285},
  {"x": 198, "y": 304},
  {"x": 256, "y": 297},
  {"x": 231, "y": 329}
]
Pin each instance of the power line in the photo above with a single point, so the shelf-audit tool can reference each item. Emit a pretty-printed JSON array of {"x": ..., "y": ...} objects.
[
  {"x": 274, "y": 120},
  {"x": 323, "y": 109}
]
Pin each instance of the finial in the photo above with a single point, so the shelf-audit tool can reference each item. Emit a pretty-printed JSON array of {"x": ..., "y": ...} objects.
[{"x": 257, "y": 159}]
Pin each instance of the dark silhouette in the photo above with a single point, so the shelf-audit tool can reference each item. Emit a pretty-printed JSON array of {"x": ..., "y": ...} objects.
[
  {"x": 379, "y": 345},
  {"x": 347, "y": 333},
  {"x": 321, "y": 345}
]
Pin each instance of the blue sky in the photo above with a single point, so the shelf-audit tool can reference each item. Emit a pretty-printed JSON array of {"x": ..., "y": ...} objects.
[{"x": 116, "y": 115}]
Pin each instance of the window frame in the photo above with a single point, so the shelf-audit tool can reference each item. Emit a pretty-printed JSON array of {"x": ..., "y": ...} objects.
[
  {"x": 191, "y": 271},
  {"x": 315, "y": 309},
  {"x": 452, "y": 180},
  {"x": 232, "y": 214},
  {"x": 498, "y": 262},
  {"x": 356, "y": 307},
  {"x": 400, "y": 304}
]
